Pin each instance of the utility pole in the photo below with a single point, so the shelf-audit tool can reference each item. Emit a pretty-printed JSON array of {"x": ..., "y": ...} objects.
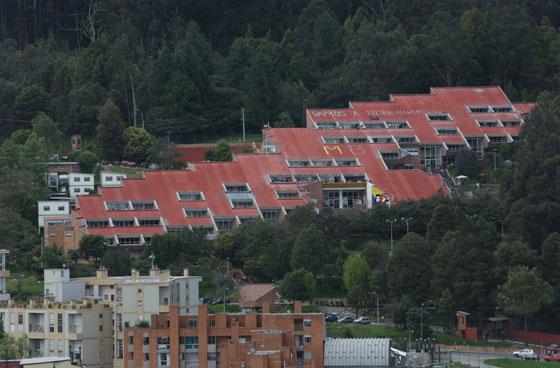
[
  {"x": 377, "y": 305},
  {"x": 407, "y": 222},
  {"x": 243, "y": 121}
]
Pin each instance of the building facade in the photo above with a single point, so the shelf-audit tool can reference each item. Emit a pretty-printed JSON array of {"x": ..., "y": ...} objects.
[
  {"x": 136, "y": 297},
  {"x": 4, "y": 276},
  {"x": 234, "y": 340},
  {"x": 82, "y": 331}
]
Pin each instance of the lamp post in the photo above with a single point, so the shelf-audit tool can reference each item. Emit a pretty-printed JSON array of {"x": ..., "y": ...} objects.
[
  {"x": 422, "y": 326},
  {"x": 406, "y": 219},
  {"x": 391, "y": 222},
  {"x": 377, "y": 305}
]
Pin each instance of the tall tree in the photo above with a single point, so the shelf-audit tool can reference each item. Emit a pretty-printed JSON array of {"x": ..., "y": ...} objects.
[{"x": 110, "y": 130}]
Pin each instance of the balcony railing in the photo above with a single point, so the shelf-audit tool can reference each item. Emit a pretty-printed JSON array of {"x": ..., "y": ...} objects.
[
  {"x": 36, "y": 328},
  {"x": 75, "y": 329}
]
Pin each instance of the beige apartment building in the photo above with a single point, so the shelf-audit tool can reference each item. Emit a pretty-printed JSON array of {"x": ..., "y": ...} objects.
[{"x": 81, "y": 331}]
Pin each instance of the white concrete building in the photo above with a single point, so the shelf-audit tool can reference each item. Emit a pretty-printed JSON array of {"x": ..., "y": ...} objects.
[
  {"x": 82, "y": 331},
  {"x": 80, "y": 184},
  {"x": 51, "y": 209},
  {"x": 58, "y": 287},
  {"x": 111, "y": 179},
  {"x": 4, "y": 275}
]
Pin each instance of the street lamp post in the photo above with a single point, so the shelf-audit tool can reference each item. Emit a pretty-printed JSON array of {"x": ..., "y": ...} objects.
[
  {"x": 406, "y": 219},
  {"x": 422, "y": 326},
  {"x": 391, "y": 222}
]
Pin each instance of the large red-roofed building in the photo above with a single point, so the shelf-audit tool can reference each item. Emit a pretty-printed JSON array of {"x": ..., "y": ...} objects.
[{"x": 370, "y": 152}]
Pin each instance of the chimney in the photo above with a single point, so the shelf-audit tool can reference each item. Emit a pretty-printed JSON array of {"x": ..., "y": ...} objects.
[
  {"x": 186, "y": 272},
  {"x": 298, "y": 307},
  {"x": 266, "y": 307},
  {"x": 135, "y": 274},
  {"x": 164, "y": 275},
  {"x": 102, "y": 273},
  {"x": 154, "y": 272}
]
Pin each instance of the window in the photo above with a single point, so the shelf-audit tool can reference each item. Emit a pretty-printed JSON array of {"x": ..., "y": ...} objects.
[
  {"x": 322, "y": 163},
  {"x": 511, "y": 123},
  {"x": 211, "y": 340},
  {"x": 307, "y": 322},
  {"x": 143, "y": 205},
  {"x": 487, "y": 123},
  {"x": 271, "y": 214},
  {"x": 287, "y": 194},
  {"x": 438, "y": 116},
  {"x": 236, "y": 188},
  {"x": 242, "y": 203},
  {"x": 225, "y": 223},
  {"x": 129, "y": 240},
  {"x": 447, "y": 131},
  {"x": 108, "y": 178},
  {"x": 503, "y": 108},
  {"x": 374, "y": 125},
  {"x": 60, "y": 348},
  {"x": 307, "y": 339},
  {"x": 100, "y": 328},
  {"x": 146, "y": 340},
  {"x": 397, "y": 124},
  {"x": 247, "y": 219},
  {"x": 193, "y": 323},
  {"x": 497, "y": 139},
  {"x": 76, "y": 190},
  {"x": 357, "y": 140},
  {"x": 51, "y": 345},
  {"x": 280, "y": 179},
  {"x": 148, "y": 222},
  {"x": 196, "y": 212},
  {"x": 76, "y": 179},
  {"x": 478, "y": 109},
  {"x": 190, "y": 196},
  {"x": 299, "y": 163},
  {"x": 353, "y": 178},
  {"x": 306, "y": 178},
  {"x": 146, "y": 356},
  {"x": 46, "y": 208},
  {"x": 87, "y": 179},
  {"x": 51, "y": 322},
  {"x": 212, "y": 323},
  {"x": 333, "y": 140},
  {"x": 349, "y": 125},
  {"x": 191, "y": 342},
  {"x": 123, "y": 222},
  {"x": 406, "y": 139},
  {"x": 381, "y": 139},
  {"x": 117, "y": 206},
  {"x": 346, "y": 162},
  {"x": 326, "y": 125},
  {"x": 59, "y": 325},
  {"x": 331, "y": 178}
]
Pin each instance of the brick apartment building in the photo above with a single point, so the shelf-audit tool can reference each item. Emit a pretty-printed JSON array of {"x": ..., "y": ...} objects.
[{"x": 233, "y": 340}]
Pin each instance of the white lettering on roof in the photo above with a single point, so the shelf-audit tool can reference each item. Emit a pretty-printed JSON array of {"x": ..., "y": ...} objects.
[
  {"x": 329, "y": 113},
  {"x": 393, "y": 112}
]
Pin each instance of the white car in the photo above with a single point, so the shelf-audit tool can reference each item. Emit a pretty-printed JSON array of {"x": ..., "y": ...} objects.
[
  {"x": 526, "y": 354},
  {"x": 363, "y": 321}
]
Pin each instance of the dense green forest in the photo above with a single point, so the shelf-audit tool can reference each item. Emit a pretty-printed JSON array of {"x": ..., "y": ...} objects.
[{"x": 184, "y": 69}]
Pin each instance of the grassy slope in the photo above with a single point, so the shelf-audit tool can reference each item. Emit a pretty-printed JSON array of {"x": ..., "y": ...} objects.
[{"x": 517, "y": 363}]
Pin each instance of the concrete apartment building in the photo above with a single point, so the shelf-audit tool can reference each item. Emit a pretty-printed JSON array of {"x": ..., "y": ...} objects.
[
  {"x": 82, "y": 331},
  {"x": 233, "y": 340},
  {"x": 136, "y": 297}
]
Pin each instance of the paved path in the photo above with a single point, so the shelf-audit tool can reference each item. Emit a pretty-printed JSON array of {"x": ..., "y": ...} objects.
[{"x": 476, "y": 359}]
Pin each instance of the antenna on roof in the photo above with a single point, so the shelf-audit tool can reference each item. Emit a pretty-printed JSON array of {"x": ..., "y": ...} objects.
[{"x": 152, "y": 257}]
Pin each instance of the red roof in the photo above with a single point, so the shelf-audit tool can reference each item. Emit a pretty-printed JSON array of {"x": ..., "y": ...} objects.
[{"x": 251, "y": 169}]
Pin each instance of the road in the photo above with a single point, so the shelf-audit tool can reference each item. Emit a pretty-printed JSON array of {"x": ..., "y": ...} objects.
[{"x": 476, "y": 359}]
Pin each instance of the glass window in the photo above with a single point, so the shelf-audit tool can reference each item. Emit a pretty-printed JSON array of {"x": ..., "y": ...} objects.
[
  {"x": 280, "y": 179},
  {"x": 117, "y": 206},
  {"x": 191, "y": 342},
  {"x": 438, "y": 116},
  {"x": 190, "y": 196},
  {"x": 242, "y": 203},
  {"x": 236, "y": 188},
  {"x": 196, "y": 212},
  {"x": 143, "y": 205},
  {"x": 478, "y": 109},
  {"x": 287, "y": 194}
]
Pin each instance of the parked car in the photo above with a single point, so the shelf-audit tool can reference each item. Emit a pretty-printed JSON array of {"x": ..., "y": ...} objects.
[
  {"x": 526, "y": 354},
  {"x": 346, "y": 319},
  {"x": 363, "y": 320},
  {"x": 331, "y": 317},
  {"x": 552, "y": 358}
]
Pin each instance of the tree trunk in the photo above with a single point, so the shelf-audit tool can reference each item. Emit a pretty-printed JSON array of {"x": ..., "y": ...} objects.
[{"x": 526, "y": 330}]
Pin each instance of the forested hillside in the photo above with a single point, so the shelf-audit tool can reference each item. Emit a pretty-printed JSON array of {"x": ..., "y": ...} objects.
[{"x": 184, "y": 69}]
